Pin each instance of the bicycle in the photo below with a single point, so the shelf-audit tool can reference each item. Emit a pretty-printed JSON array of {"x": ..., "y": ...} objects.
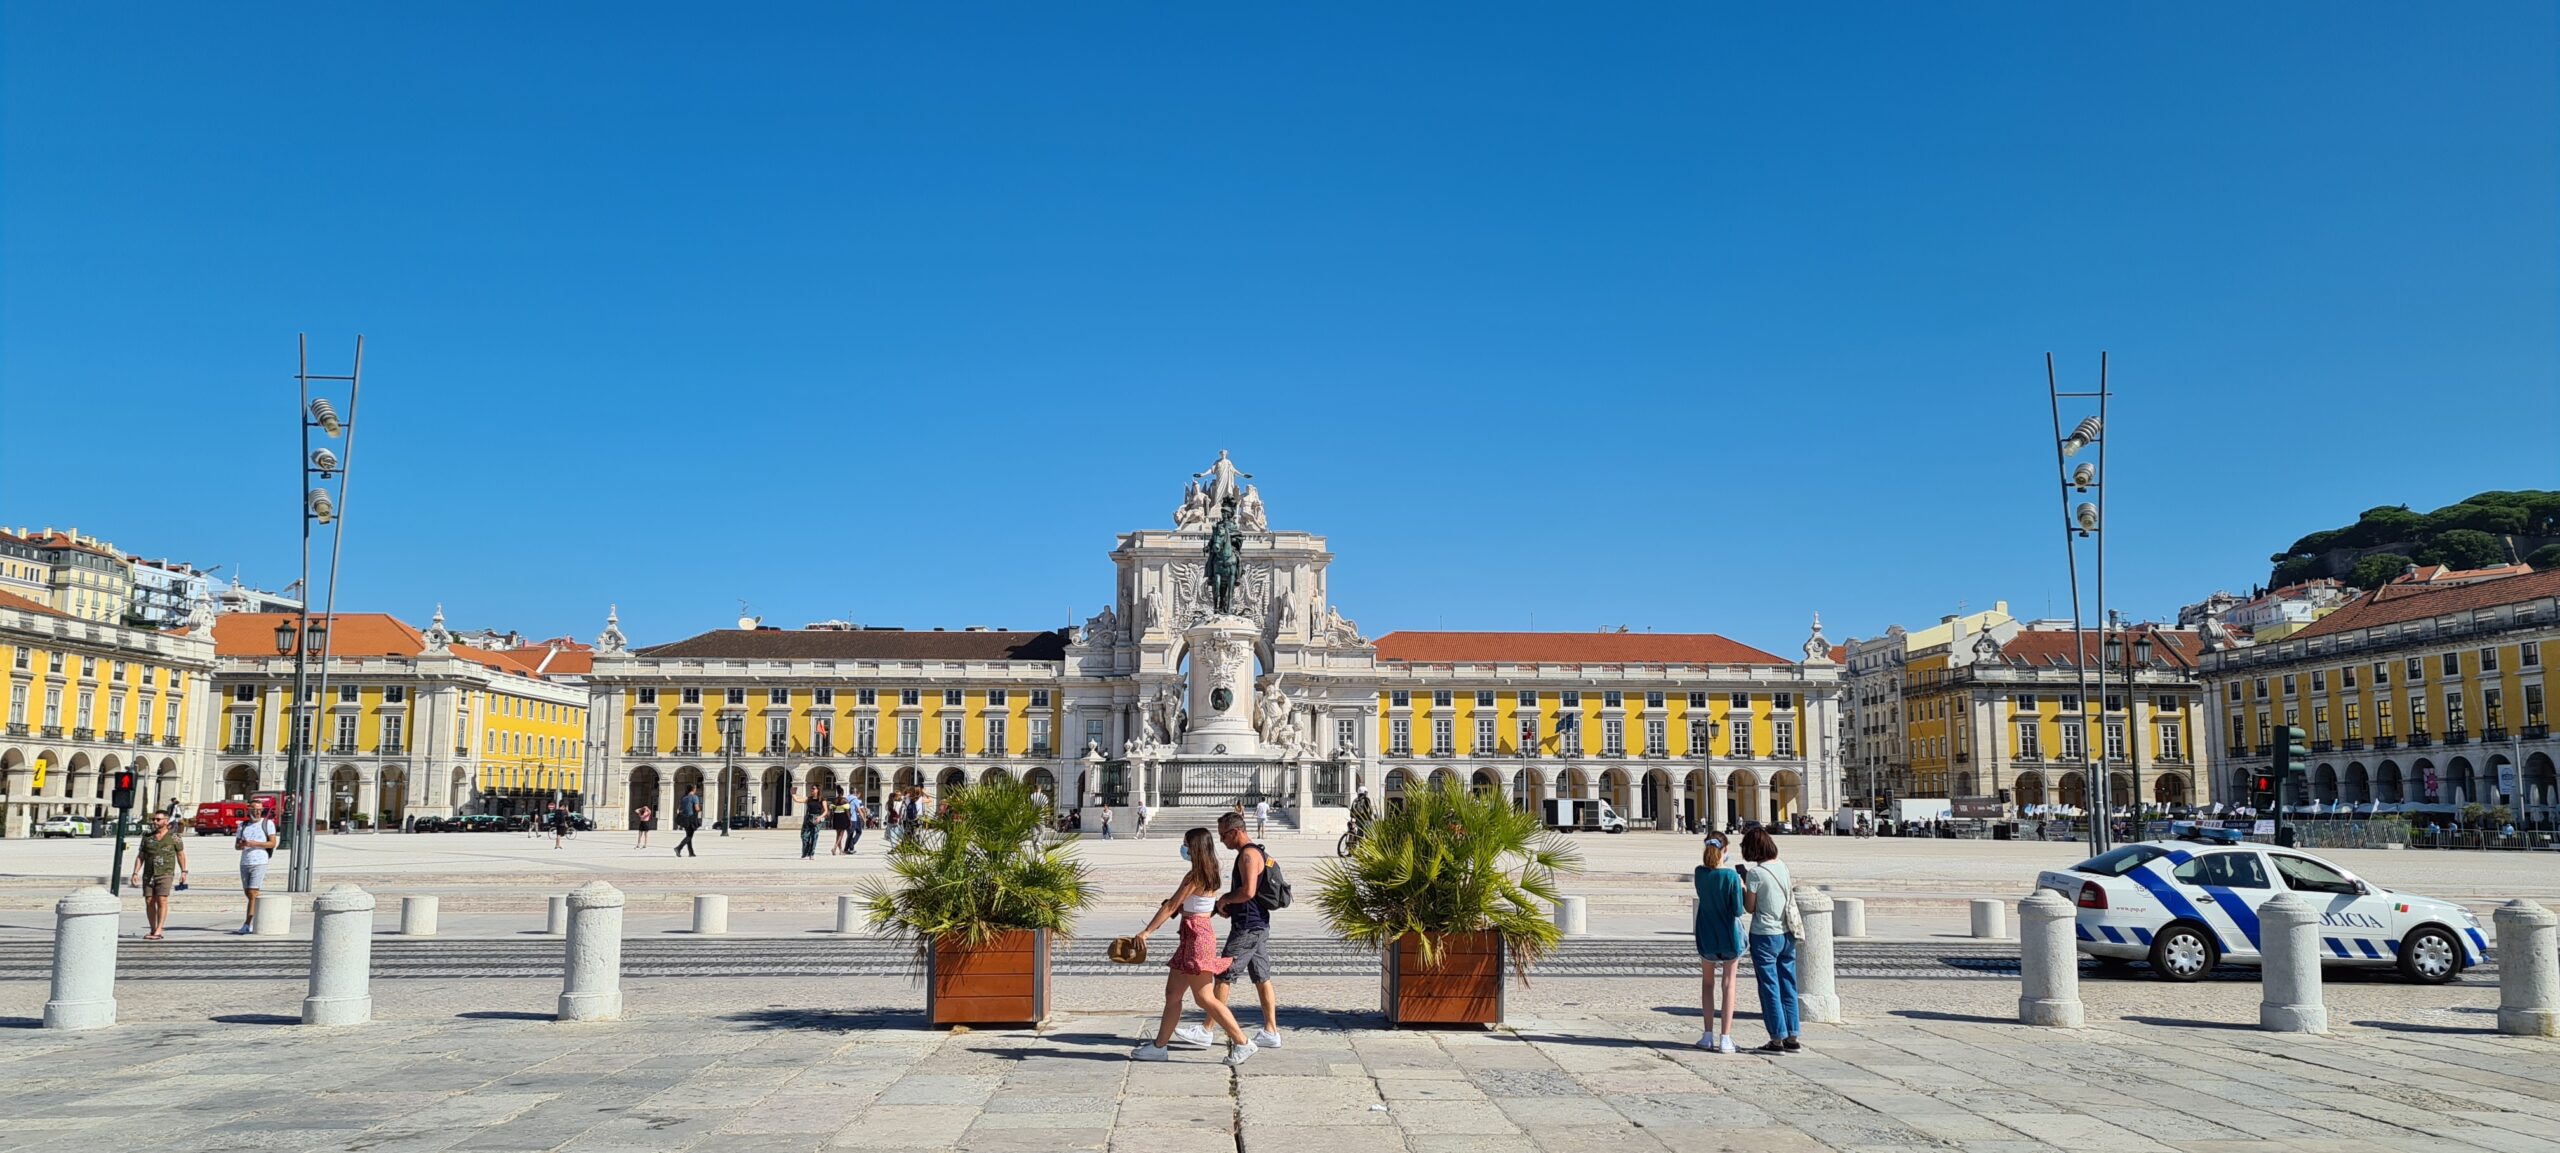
[{"x": 1350, "y": 840}]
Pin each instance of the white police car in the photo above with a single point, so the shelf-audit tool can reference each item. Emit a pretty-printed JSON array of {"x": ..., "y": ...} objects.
[{"x": 2186, "y": 905}]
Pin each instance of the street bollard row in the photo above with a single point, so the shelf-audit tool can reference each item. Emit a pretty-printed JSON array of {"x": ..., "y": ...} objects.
[
  {"x": 2289, "y": 967},
  {"x": 1990, "y": 919},
  {"x": 2048, "y": 961},
  {"x": 591, "y": 981},
  {"x": 2528, "y": 969},
  {"x": 1572, "y": 916},
  {"x": 1848, "y": 917},
  {"x": 341, "y": 958}
]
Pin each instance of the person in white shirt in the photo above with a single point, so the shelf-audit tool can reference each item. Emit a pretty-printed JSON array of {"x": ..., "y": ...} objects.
[
  {"x": 257, "y": 839},
  {"x": 1142, "y": 820},
  {"x": 1261, "y": 816}
]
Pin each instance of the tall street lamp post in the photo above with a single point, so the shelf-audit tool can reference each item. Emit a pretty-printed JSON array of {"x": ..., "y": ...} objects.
[
  {"x": 323, "y": 495},
  {"x": 2082, "y": 522},
  {"x": 300, "y": 638}
]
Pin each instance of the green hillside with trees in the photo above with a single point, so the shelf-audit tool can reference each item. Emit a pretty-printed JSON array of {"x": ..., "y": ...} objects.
[{"x": 2474, "y": 533}]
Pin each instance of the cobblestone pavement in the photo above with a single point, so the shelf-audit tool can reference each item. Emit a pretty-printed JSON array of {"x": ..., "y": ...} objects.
[{"x": 748, "y": 1080}]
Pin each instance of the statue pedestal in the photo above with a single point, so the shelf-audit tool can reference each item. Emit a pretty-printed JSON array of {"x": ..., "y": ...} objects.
[{"x": 1221, "y": 688}]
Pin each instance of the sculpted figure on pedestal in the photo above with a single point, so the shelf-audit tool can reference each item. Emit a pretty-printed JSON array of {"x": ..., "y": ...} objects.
[
  {"x": 1249, "y": 511},
  {"x": 1221, "y": 476}
]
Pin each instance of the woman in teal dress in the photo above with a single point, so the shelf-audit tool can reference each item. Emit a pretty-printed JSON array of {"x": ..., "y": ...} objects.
[{"x": 1719, "y": 933}]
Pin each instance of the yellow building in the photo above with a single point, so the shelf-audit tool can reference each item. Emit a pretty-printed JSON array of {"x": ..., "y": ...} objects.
[
  {"x": 406, "y": 724},
  {"x": 772, "y": 712},
  {"x": 84, "y": 576},
  {"x": 2003, "y": 711},
  {"x": 2414, "y": 697},
  {"x": 85, "y": 699}
]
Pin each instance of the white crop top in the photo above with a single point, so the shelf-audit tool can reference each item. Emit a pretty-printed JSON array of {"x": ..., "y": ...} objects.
[{"x": 1199, "y": 906}]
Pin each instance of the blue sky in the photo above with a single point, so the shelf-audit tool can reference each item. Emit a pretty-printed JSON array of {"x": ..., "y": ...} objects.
[{"x": 1678, "y": 317}]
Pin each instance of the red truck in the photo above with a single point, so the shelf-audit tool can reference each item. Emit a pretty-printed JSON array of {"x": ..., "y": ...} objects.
[{"x": 220, "y": 818}]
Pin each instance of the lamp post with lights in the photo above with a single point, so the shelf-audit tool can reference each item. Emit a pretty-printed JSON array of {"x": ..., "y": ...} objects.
[
  {"x": 323, "y": 493},
  {"x": 2085, "y": 521}
]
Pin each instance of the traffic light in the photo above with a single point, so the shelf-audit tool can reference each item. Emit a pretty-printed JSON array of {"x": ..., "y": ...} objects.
[
  {"x": 2293, "y": 763},
  {"x": 123, "y": 798},
  {"x": 2262, "y": 791}
]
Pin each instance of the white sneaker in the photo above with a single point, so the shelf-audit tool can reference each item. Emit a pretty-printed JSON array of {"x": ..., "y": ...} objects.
[
  {"x": 1265, "y": 1039},
  {"x": 1727, "y": 1045},
  {"x": 1192, "y": 1036},
  {"x": 1151, "y": 1052},
  {"x": 1239, "y": 1054},
  {"x": 1707, "y": 1040}
]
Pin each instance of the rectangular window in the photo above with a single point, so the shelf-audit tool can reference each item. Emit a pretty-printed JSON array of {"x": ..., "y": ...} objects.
[
  {"x": 2417, "y": 670},
  {"x": 2382, "y": 717},
  {"x": 390, "y": 733},
  {"x": 1040, "y": 736},
  {"x": 2453, "y": 711},
  {"x": 1346, "y": 735},
  {"x": 2030, "y": 741},
  {"x": 2235, "y": 690},
  {"x": 2320, "y": 681},
  {"x": 2259, "y": 685},
  {"x": 2115, "y": 702},
  {"x": 1484, "y": 736},
  {"x": 1039, "y": 698},
  {"x": 909, "y": 742},
  {"x": 644, "y": 735},
  {"x": 168, "y": 728},
  {"x": 951, "y": 741},
  {"x": 1528, "y": 735},
  {"x": 19, "y": 661},
  {"x": 88, "y": 708},
  {"x": 867, "y": 698},
  {"x": 737, "y": 696},
  {"x": 241, "y": 724},
  {"x": 1782, "y": 737},
  {"x": 2417, "y": 716},
  {"x": 2288, "y": 684},
  {"x": 1653, "y": 700},
  {"x": 1783, "y": 701},
  {"x": 1613, "y": 737},
  {"x": 2023, "y": 702},
  {"x": 1444, "y": 737},
  {"x": 1529, "y": 697},
  {"x": 2071, "y": 702},
  {"x": 866, "y": 734},
  {"x": 1740, "y": 700},
  {"x": 1571, "y": 700},
  {"x": 1484, "y": 700},
  {"x": 998, "y": 740},
  {"x": 1697, "y": 700},
  {"x": 997, "y": 698},
  {"x": 2533, "y": 704},
  {"x": 1700, "y": 741},
  {"x": 1742, "y": 737},
  {"x": 778, "y": 697},
  {"x": 2171, "y": 748},
  {"x": 733, "y": 733},
  {"x": 2381, "y": 673},
  {"x": 689, "y": 696},
  {"x": 689, "y": 735},
  {"x": 1400, "y": 737},
  {"x": 1654, "y": 743},
  {"x": 1399, "y": 699},
  {"x": 245, "y": 694},
  {"x": 648, "y": 696},
  {"x": 2074, "y": 743},
  {"x": 2489, "y": 660},
  {"x": 951, "y": 698},
  {"x": 2355, "y": 724},
  {"x": 2492, "y": 709},
  {"x": 2319, "y": 722},
  {"x": 1440, "y": 700},
  {"x": 822, "y": 697},
  {"x": 2347, "y": 677},
  {"x": 2452, "y": 664},
  {"x": 53, "y": 662},
  {"x": 2532, "y": 656},
  {"x": 777, "y": 734},
  {"x": 1613, "y": 700},
  {"x": 347, "y": 694},
  {"x": 910, "y": 697}
]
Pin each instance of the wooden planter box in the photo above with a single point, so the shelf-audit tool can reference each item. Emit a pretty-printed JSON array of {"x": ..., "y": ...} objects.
[
  {"x": 1465, "y": 990},
  {"x": 1004, "y": 982}
]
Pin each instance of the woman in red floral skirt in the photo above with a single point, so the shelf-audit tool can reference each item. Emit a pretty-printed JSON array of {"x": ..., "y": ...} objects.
[{"x": 1195, "y": 954}]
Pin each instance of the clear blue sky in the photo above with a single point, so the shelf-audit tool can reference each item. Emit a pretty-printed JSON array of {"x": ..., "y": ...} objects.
[{"x": 1681, "y": 316}]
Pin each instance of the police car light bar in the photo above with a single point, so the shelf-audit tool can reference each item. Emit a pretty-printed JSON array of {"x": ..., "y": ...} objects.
[{"x": 2191, "y": 831}]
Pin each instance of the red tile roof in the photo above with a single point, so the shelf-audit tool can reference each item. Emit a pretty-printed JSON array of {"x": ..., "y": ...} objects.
[
  {"x": 14, "y": 601},
  {"x": 350, "y": 635},
  {"x": 2395, "y": 603},
  {"x": 1570, "y": 648},
  {"x": 2061, "y": 648}
]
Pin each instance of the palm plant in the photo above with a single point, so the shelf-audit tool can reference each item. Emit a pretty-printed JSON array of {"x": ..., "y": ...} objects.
[
  {"x": 1449, "y": 861},
  {"x": 978, "y": 870}
]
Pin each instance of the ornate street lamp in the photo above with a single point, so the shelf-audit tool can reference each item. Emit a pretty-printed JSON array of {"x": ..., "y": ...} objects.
[
  {"x": 2086, "y": 521},
  {"x": 322, "y": 495}
]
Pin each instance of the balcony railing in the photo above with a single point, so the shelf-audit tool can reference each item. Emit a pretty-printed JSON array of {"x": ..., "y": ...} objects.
[
  {"x": 2386, "y": 742},
  {"x": 115, "y": 736},
  {"x": 2457, "y": 736},
  {"x": 2351, "y": 744},
  {"x": 2493, "y": 733},
  {"x": 389, "y": 748},
  {"x": 687, "y": 748},
  {"x": 239, "y": 748},
  {"x": 2536, "y": 730},
  {"x": 83, "y": 734},
  {"x": 18, "y": 730},
  {"x": 171, "y": 741},
  {"x": 342, "y": 748},
  {"x": 2321, "y": 746},
  {"x": 776, "y": 748},
  {"x": 2420, "y": 740}
]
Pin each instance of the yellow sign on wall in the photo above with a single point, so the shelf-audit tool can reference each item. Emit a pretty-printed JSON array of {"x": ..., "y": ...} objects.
[{"x": 41, "y": 765}]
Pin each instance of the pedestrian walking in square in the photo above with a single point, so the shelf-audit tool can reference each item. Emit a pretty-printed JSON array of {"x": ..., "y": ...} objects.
[
  {"x": 1261, "y": 816},
  {"x": 1718, "y": 930},
  {"x": 857, "y": 815},
  {"x": 1768, "y": 894},
  {"x": 159, "y": 867},
  {"x": 257, "y": 839},
  {"x": 641, "y": 820},
  {"x": 813, "y": 812},
  {"x": 689, "y": 819},
  {"x": 1247, "y": 906},
  {"x": 1143, "y": 814},
  {"x": 1195, "y": 961},
  {"x": 1106, "y": 822}
]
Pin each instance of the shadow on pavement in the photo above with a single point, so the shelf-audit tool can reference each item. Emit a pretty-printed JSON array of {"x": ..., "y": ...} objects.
[
  {"x": 1968, "y": 1018},
  {"x": 253, "y": 1019},
  {"x": 2407, "y": 1027},
  {"x": 502, "y": 1015},
  {"x": 2186, "y": 1023},
  {"x": 832, "y": 1020}
]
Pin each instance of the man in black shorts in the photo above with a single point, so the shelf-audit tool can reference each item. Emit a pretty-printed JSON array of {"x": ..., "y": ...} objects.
[{"x": 1248, "y": 935}]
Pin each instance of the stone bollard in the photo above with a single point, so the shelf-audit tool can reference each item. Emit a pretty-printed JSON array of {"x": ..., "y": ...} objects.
[
  {"x": 2528, "y": 969},
  {"x": 341, "y": 958},
  {"x": 710, "y": 915},
  {"x": 275, "y": 916},
  {"x": 849, "y": 913},
  {"x": 2289, "y": 967},
  {"x": 1816, "y": 996},
  {"x": 591, "y": 988},
  {"x": 1572, "y": 916},
  {"x": 1848, "y": 916},
  {"x": 2048, "y": 961},
  {"x": 84, "y": 960},
  {"x": 1990, "y": 919},
  {"x": 558, "y": 922},
  {"x": 417, "y": 916}
]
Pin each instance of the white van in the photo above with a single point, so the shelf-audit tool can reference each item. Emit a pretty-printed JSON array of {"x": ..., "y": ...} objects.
[{"x": 1570, "y": 815}]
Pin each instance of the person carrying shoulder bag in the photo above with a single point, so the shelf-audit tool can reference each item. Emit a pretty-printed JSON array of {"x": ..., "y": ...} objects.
[{"x": 1768, "y": 893}]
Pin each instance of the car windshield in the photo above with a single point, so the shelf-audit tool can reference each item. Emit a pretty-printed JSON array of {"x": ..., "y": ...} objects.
[{"x": 2117, "y": 862}]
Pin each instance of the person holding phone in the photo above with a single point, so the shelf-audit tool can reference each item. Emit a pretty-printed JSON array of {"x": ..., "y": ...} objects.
[{"x": 257, "y": 839}]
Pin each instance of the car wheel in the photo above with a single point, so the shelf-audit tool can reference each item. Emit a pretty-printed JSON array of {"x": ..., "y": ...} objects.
[
  {"x": 2183, "y": 953},
  {"x": 2430, "y": 956}
]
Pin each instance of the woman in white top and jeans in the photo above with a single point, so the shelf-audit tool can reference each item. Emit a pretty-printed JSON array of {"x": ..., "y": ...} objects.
[{"x": 1765, "y": 892}]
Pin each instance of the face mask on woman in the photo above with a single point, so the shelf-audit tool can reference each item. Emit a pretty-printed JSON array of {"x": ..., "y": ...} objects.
[{"x": 1185, "y": 850}]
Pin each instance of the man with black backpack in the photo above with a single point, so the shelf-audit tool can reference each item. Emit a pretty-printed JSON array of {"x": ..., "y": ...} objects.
[{"x": 1257, "y": 888}]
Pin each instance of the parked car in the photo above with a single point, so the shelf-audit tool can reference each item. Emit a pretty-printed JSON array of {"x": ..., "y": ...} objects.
[
  {"x": 2186, "y": 905},
  {"x": 64, "y": 827},
  {"x": 474, "y": 823},
  {"x": 515, "y": 823}
]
